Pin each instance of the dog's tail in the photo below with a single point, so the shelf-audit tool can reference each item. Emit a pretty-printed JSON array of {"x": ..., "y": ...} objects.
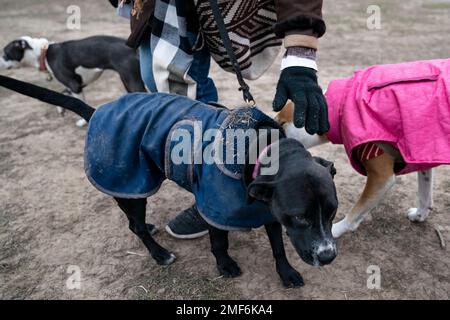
[{"x": 58, "y": 99}]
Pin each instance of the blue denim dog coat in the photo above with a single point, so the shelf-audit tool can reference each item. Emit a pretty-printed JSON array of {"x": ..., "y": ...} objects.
[{"x": 128, "y": 155}]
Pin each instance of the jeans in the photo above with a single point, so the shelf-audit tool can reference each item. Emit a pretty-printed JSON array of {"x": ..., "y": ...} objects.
[{"x": 199, "y": 71}]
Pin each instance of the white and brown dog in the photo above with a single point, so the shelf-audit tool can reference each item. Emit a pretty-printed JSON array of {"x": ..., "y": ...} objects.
[
  {"x": 380, "y": 177},
  {"x": 384, "y": 116}
]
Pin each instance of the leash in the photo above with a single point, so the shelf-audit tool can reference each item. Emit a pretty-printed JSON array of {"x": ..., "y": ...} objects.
[
  {"x": 248, "y": 98},
  {"x": 257, "y": 167},
  {"x": 45, "y": 95}
]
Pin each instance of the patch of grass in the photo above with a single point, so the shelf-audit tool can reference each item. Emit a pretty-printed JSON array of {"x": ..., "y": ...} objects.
[{"x": 172, "y": 284}]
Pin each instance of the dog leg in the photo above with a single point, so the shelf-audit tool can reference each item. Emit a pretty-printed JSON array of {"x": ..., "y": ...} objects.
[
  {"x": 290, "y": 277},
  {"x": 68, "y": 92},
  {"x": 61, "y": 110},
  {"x": 74, "y": 83},
  {"x": 380, "y": 179},
  {"x": 80, "y": 122},
  {"x": 131, "y": 83},
  {"x": 135, "y": 211},
  {"x": 425, "y": 197},
  {"x": 219, "y": 247}
]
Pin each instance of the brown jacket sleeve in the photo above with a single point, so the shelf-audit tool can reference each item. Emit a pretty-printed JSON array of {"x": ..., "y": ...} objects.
[
  {"x": 140, "y": 23},
  {"x": 302, "y": 17}
]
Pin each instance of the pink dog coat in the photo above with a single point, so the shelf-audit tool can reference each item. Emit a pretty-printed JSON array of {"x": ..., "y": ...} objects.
[{"x": 406, "y": 105}]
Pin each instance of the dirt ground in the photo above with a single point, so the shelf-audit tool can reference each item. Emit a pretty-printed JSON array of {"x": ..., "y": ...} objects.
[{"x": 52, "y": 218}]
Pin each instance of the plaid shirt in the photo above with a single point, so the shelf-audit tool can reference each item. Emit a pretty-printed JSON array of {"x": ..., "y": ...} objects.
[
  {"x": 172, "y": 53},
  {"x": 250, "y": 26}
]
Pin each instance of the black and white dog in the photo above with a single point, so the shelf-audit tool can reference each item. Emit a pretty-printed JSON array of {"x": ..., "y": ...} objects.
[
  {"x": 128, "y": 154},
  {"x": 76, "y": 63}
]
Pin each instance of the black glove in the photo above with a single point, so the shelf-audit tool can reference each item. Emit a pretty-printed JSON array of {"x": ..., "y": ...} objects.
[{"x": 310, "y": 107}]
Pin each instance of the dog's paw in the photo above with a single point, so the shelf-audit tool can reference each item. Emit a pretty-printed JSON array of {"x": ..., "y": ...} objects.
[
  {"x": 229, "y": 269},
  {"x": 291, "y": 278},
  {"x": 339, "y": 228},
  {"x": 60, "y": 110},
  {"x": 164, "y": 258},
  {"x": 81, "y": 123},
  {"x": 417, "y": 215}
]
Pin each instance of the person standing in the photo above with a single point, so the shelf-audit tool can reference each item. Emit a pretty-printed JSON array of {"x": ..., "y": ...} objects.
[{"x": 178, "y": 37}]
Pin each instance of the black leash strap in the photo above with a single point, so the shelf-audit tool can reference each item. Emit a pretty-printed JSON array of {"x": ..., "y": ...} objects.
[
  {"x": 248, "y": 98},
  {"x": 48, "y": 96}
]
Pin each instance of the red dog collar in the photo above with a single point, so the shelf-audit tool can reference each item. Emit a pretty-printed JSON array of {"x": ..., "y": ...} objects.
[{"x": 42, "y": 58}]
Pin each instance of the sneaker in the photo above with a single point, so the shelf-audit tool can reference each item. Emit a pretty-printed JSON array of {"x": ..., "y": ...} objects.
[{"x": 187, "y": 225}]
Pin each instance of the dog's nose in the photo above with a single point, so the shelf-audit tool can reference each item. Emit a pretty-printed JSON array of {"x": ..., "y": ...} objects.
[{"x": 326, "y": 254}]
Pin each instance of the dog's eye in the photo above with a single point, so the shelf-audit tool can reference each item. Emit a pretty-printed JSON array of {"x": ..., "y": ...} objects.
[{"x": 301, "y": 222}]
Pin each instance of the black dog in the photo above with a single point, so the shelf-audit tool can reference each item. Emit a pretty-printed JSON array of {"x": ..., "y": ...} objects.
[
  {"x": 301, "y": 195},
  {"x": 76, "y": 63}
]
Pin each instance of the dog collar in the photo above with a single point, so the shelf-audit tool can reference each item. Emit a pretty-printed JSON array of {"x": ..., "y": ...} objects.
[
  {"x": 42, "y": 59},
  {"x": 258, "y": 161}
]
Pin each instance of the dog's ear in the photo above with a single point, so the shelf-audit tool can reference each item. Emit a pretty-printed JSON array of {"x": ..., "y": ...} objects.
[
  {"x": 327, "y": 164},
  {"x": 24, "y": 44},
  {"x": 260, "y": 189}
]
